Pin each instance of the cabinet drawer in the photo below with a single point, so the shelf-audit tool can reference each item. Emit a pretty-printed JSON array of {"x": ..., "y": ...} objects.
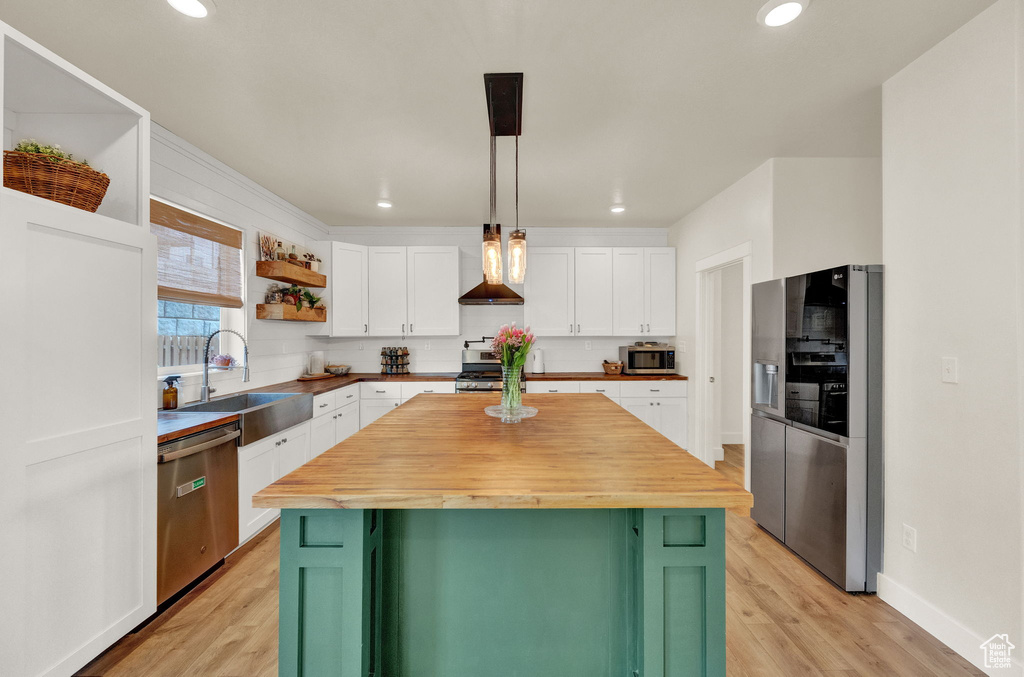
[
  {"x": 552, "y": 386},
  {"x": 323, "y": 404},
  {"x": 413, "y": 389},
  {"x": 379, "y": 390},
  {"x": 606, "y": 388},
  {"x": 346, "y": 395},
  {"x": 652, "y": 389}
]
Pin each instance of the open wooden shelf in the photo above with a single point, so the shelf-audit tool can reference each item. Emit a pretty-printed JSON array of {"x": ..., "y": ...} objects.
[
  {"x": 282, "y": 271},
  {"x": 287, "y": 311}
]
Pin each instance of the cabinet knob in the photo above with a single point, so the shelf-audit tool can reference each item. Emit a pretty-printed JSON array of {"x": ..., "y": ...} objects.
[
  {"x": 323, "y": 405},
  {"x": 648, "y": 328},
  {"x": 278, "y": 444},
  {"x": 364, "y": 328},
  {"x": 655, "y": 390},
  {"x": 283, "y": 440},
  {"x": 577, "y": 328},
  {"x": 658, "y": 403}
]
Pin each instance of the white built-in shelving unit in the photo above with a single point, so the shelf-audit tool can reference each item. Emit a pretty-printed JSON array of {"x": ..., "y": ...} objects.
[{"x": 78, "y": 457}]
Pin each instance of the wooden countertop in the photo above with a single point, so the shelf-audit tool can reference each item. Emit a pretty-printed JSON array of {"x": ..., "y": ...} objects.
[
  {"x": 601, "y": 376},
  {"x": 174, "y": 424},
  {"x": 442, "y": 451},
  {"x": 170, "y": 425}
]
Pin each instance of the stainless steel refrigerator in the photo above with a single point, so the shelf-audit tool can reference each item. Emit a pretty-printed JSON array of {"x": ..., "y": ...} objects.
[{"x": 816, "y": 450}]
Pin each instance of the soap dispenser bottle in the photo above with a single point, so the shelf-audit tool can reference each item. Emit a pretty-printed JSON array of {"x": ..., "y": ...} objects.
[{"x": 171, "y": 392}]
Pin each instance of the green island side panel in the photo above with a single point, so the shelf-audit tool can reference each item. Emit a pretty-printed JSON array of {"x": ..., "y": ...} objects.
[{"x": 538, "y": 593}]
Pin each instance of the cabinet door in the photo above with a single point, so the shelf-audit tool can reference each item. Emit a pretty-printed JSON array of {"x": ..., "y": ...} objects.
[
  {"x": 346, "y": 422},
  {"x": 257, "y": 467},
  {"x": 294, "y": 448},
  {"x": 671, "y": 414},
  {"x": 594, "y": 291},
  {"x": 321, "y": 434},
  {"x": 78, "y": 507},
  {"x": 433, "y": 291},
  {"x": 549, "y": 291},
  {"x": 660, "y": 291},
  {"x": 628, "y": 292},
  {"x": 387, "y": 280},
  {"x": 371, "y": 410},
  {"x": 349, "y": 285},
  {"x": 642, "y": 408}
]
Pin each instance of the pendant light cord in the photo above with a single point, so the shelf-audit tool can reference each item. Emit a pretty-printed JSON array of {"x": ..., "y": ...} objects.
[
  {"x": 494, "y": 171},
  {"x": 518, "y": 123}
]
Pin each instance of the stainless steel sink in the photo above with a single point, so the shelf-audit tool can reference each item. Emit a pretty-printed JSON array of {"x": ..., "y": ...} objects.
[{"x": 260, "y": 414}]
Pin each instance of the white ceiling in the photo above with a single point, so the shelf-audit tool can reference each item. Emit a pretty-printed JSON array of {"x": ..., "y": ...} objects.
[{"x": 658, "y": 103}]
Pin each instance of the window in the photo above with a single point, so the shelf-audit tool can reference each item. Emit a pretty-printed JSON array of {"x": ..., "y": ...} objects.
[{"x": 199, "y": 277}]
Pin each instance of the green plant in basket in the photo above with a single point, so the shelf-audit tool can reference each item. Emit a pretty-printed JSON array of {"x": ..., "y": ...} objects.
[
  {"x": 53, "y": 153},
  {"x": 310, "y": 298}
]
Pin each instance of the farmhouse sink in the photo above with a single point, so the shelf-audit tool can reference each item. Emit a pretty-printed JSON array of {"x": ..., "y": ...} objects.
[{"x": 260, "y": 414}]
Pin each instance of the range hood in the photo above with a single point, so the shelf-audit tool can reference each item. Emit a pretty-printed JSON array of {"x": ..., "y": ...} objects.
[{"x": 504, "y": 112}]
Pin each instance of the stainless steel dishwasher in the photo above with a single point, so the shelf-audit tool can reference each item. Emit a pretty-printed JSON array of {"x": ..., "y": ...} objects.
[{"x": 197, "y": 506}]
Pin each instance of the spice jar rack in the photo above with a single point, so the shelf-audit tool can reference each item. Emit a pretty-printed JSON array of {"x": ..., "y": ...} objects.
[{"x": 394, "y": 360}]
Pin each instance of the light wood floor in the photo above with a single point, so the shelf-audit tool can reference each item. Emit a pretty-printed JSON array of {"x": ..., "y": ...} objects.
[{"x": 783, "y": 620}]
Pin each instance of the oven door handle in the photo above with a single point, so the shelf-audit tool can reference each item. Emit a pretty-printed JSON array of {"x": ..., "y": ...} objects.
[{"x": 189, "y": 451}]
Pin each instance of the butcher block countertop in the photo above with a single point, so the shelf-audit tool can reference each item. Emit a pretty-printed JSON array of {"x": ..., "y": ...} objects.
[{"x": 443, "y": 451}]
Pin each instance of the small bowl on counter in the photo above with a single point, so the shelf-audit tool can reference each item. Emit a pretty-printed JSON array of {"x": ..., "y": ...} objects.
[{"x": 337, "y": 369}]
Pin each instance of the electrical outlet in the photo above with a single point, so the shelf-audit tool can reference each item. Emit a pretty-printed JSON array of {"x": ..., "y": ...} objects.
[
  {"x": 360, "y": 346},
  {"x": 587, "y": 345},
  {"x": 682, "y": 345},
  {"x": 909, "y": 538},
  {"x": 949, "y": 369},
  {"x": 426, "y": 346}
]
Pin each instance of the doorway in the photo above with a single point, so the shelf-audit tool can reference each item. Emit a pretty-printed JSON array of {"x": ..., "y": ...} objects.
[
  {"x": 722, "y": 370},
  {"x": 726, "y": 382}
]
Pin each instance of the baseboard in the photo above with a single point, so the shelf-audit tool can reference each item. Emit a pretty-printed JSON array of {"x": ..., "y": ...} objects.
[
  {"x": 717, "y": 454},
  {"x": 942, "y": 626},
  {"x": 732, "y": 438}
]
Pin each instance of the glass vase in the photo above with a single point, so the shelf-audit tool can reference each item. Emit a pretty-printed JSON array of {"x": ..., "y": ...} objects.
[
  {"x": 511, "y": 409},
  {"x": 511, "y": 390}
]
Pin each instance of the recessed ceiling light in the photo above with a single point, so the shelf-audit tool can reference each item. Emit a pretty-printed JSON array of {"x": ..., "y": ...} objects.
[
  {"x": 192, "y": 8},
  {"x": 618, "y": 209},
  {"x": 781, "y": 12},
  {"x": 383, "y": 204}
]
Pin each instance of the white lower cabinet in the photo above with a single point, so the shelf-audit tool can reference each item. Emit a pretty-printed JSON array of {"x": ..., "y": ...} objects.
[
  {"x": 667, "y": 415},
  {"x": 258, "y": 465},
  {"x": 346, "y": 422},
  {"x": 321, "y": 434},
  {"x": 263, "y": 463},
  {"x": 609, "y": 390},
  {"x": 372, "y": 409},
  {"x": 552, "y": 386}
]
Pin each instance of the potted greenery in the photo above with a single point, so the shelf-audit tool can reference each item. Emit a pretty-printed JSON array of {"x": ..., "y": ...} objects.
[{"x": 49, "y": 172}]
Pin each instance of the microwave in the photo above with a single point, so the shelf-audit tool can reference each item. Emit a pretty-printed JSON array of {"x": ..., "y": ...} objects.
[{"x": 648, "y": 358}]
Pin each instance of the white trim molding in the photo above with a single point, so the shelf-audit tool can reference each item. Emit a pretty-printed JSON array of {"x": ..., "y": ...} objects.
[{"x": 942, "y": 626}]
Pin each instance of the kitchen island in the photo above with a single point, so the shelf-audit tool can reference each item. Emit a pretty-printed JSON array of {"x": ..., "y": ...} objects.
[{"x": 578, "y": 542}]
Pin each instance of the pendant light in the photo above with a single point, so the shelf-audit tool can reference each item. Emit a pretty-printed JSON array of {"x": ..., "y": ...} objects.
[
  {"x": 517, "y": 240},
  {"x": 492, "y": 235}
]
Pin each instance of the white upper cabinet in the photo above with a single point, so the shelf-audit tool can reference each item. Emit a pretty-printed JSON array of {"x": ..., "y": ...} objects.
[
  {"x": 593, "y": 291},
  {"x": 349, "y": 281},
  {"x": 549, "y": 291},
  {"x": 433, "y": 291},
  {"x": 628, "y": 296},
  {"x": 645, "y": 291},
  {"x": 660, "y": 291},
  {"x": 387, "y": 293}
]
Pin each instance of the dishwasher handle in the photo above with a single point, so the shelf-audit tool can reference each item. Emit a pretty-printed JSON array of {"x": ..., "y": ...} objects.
[{"x": 188, "y": 451}]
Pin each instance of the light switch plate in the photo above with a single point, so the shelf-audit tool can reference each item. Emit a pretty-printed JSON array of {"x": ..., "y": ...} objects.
[
  {"x": 949, "y": 370},
  {"x": 587, "y": 345}
]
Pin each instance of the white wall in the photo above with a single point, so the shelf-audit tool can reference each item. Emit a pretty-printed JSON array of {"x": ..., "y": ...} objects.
[
  {"x": 730, "y": 374},
  {"x": 185, "y": 175},
  {"x": 827, "y": 212},
  {"x": 952, "y": 251},
  {"x": 445, "y": 354}
]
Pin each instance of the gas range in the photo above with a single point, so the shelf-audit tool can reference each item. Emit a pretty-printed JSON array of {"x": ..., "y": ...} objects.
[{"x": 481, "y": 373}]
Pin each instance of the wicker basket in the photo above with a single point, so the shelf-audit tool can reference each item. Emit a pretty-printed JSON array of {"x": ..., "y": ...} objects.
[
  {"x": 63, "y": 181},
  {"x": 612, "y": 368}
]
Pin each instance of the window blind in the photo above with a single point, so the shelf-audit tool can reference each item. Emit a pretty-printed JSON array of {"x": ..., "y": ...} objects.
[{"x": 198, "y": 260}]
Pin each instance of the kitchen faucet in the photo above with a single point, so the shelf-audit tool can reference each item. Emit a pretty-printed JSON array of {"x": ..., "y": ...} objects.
[{"x": 204, "y": 392}]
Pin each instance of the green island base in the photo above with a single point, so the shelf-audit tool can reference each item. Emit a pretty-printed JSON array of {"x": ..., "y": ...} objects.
[{"x": 503, "y": 593}]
